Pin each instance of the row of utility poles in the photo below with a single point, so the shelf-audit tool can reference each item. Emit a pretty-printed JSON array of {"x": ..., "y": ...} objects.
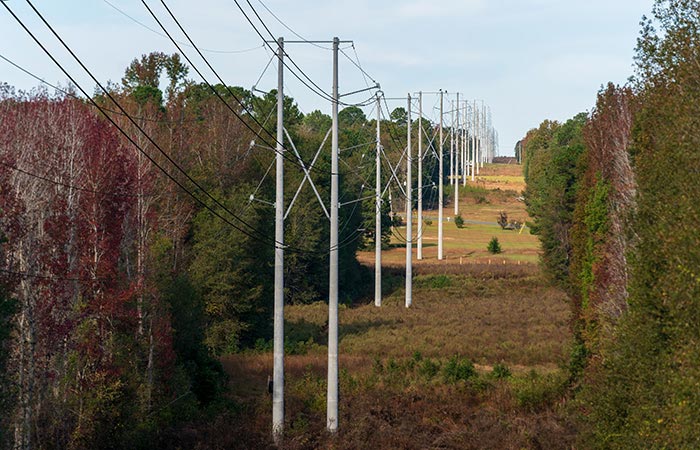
[{"x": 472, "y": 142}]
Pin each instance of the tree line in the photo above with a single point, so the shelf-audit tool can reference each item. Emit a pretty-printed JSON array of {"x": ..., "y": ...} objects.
[
  {"x": 613, "y": 197},
  {"x": 119, "y": 289}
]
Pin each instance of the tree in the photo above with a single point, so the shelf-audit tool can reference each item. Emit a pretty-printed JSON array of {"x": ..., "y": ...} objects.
[
  {"x": 603, "y": 208},
  {"x": 494, "y": 246},
  {"x": 66, "y": 234},
  {"x": 642, "y": 395},
  {"x": 399, "y": 115},
  {"x": 8, "y": 310},
  {"x": 552, "y": 171},
  {"x": 227, "y": 274},
  {"x": 317, "y": 122},
  {"x": 351, "y": 116}
]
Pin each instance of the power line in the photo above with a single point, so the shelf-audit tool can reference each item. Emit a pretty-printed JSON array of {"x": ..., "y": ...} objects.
[
  {"x": 51, "y": 277},
  {"x": 72, "y": 95},
  {"x": 358, "y": 65},
  {"x": 321, "y": 94},
  {"x": 250, "y": 234},
  {"x": 177, "y": 22},
  {"x": 135, "y": 20},
  {"x": 212, "y": 88},
  {"x": 291, "y": 30},
  {"x": 315, "y": 88},
  {"x": 262, "y": 74},
  {"x": 162, "y": 152},
  {"x": 150, "y": 158},
  {"x": 272, "y": 36},
  {"x": 70, "y": 186}
]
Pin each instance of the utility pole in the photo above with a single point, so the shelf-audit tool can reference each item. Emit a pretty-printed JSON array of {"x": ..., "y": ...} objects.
[
  {"x": 332, "y": 396},
  {"x": 452, "y": 142},
  {"x": 440, "y": 181},
  {"x": 455, "y": 181},
  {"x": 278, "y": 350},
  {"x": 483, "y": 128},
  {"x": 475, "y": 138},
  {"x": 409, "y": 212},
  {"x": 480, "y": 121},
  {"x": 378, "y": 219},
  {"x": 465, "y": 146},
  {"x": 420, "y": 176}
]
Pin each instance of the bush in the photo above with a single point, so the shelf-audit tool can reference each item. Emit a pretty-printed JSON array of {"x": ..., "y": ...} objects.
[
  {"x": 500, "y": 371},
  {"x": 428, "y": 222},
  {"x": 536, "y": 392},
  {"x": 494, "y": 246},
  {"x": 433, "y": 281},
  {"x": 429, "y": 368},
  {"x": 458, "y": 369},
  {"x": 459, "y": 221}
]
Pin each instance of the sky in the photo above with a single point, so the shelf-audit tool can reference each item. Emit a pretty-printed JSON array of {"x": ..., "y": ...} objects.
[{"x": 528, "y": 60}]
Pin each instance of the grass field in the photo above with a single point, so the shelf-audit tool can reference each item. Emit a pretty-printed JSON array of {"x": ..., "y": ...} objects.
[
  {"x": 477, "y": 362},
  {"x": 480, "y": 209}
]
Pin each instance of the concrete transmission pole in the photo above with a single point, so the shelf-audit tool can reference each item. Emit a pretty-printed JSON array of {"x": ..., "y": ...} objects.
[
  {"x": 278, "y": 345},
  {"x": 409, "y": 211},
  {"x": 482, "y": 146},
  {"x": 440, "y": 181},
  {"x": 475, "y": 168},
  {"x": 465, "y": 147},
  {"x": 452, "y": 142},
  {"x": 455, "y": 181},
  {"x": 378, "y": 212},
  {"x": 419, "y": 250},
  {"x": 332, "y": 395}
]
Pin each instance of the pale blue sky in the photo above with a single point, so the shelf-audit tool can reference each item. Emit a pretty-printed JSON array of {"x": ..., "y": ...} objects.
[{"x": 529, "y": 59}]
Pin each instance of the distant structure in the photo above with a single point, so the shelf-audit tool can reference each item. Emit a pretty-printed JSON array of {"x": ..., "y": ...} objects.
[
  {"x": 519, "y": 150},
  {"x": 505, "y": 160}
]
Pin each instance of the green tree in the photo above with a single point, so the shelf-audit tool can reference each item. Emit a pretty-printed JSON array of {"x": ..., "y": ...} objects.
[
  {"x": 351, "y": 116},
  {"x": 494, "y": 246},
  {"x": 142, "y": 77},
  {"x": 552, "y": 172},
  {"x": 226, "y": 269},
  {"x": 317, "y": 122},
  {"x": 399, "y": 116},
  {"x": 646, "y": 394}
]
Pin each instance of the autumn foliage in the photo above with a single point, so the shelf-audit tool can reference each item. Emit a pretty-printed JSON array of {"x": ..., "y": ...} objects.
[
  {"x": 137, "y": 248},
  {"x": 632, "y": 247}
]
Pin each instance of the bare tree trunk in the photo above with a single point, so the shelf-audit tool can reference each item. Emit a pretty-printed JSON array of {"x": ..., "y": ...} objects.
[{"x": 26, "y": 362}]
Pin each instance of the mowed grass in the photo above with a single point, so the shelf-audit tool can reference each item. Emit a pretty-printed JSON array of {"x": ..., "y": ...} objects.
[
  {"x": 468, "y": 244},
  {"x": 480, "y": 208},
  {"x": 501, "y": 176}
]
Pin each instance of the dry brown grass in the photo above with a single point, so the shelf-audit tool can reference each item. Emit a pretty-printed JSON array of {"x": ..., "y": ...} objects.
[
  {"x": 389, "y": 410},
  {"x": 506, "y": 317},
  {"x": 487, "y": 313}
]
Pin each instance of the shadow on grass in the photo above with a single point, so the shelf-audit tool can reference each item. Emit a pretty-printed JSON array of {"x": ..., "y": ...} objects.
[
  {"x": 304, "y": 332},
  {"x": 361, "y": 327}
]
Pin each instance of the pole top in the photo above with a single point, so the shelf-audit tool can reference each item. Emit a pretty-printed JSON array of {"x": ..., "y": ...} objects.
[{"x": 304, "y": 41}]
